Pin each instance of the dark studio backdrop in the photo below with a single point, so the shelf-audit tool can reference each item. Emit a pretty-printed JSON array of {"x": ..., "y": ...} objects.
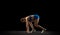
[{"x": 15, "y": 10}]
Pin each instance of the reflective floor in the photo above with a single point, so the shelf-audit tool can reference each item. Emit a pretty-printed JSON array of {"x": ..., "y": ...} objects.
[{"x": 24, "y": 33}]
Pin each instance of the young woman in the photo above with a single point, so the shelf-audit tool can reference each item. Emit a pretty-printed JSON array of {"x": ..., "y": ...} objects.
[{"x": 29, "y": 22}]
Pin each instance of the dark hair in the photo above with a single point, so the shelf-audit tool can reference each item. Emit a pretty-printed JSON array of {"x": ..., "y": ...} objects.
[{"x": 22, "y": 19}]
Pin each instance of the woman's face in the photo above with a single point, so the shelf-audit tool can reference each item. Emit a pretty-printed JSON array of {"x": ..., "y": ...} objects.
[{"x": 23, "y": 20}]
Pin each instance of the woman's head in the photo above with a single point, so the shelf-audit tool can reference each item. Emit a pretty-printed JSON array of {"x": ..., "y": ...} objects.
[{"x": 23, "y": 20}]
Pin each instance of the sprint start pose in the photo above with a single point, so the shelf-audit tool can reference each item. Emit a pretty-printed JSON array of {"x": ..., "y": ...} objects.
[{"x": 32, "y": 18}]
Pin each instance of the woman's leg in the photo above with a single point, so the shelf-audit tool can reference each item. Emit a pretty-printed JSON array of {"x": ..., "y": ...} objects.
[
  {"x": 31, "y": 25},
  {"x": 27, "y": 27},
  {"x": 36, "y": 24}
]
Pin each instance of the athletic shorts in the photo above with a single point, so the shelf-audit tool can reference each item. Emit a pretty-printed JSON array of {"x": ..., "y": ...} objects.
[{"x": 35, "y": 17}]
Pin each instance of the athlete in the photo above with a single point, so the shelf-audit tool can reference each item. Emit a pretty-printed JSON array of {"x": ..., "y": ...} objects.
[{"x": 29, "y": 22}]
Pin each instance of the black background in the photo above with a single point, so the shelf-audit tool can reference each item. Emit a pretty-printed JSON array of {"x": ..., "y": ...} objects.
[{"x": 14, "y": 10}]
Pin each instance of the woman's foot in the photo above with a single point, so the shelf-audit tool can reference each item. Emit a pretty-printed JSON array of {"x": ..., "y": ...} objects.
[
  {"x": 33, "y": 31},
  {"x": 28, "y": 32},
  {"x": 43, "y": 31}
]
